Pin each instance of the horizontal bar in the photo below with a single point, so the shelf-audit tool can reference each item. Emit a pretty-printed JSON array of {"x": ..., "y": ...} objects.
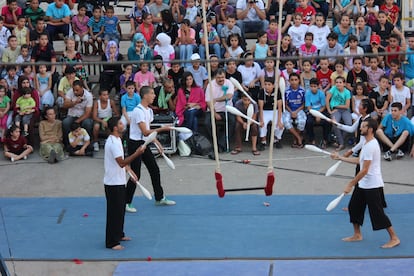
[{"x": 244, "y": 189}]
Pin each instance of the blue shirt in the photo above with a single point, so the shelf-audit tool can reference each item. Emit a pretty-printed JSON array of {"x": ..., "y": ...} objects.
[
  {"x": 315, "y": 100},
  {"x": 96, "y": 25},
  {"x": 394, "y": 128},
  {"x": 409, "y": 67},
  {"x": 342, "y": 38},
  {"x": 58, "y": 13},
  {"x": 111, "y": 24},
  {"x": 130, "y": 102},
  {"x": 294, "y": 98}
]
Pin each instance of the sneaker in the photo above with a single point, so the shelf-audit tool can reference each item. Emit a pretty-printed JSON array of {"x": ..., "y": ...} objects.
[
  {"x": 96, "y": 146},
  {"x": 25, "y": 157},
  {"x": 388, "y": 156},
  {"x": 164, "y": 202},
  {"x": 52, "y": 157},
  {"x": 25, "y": 133},
  {"x": 130, "y": 208},
  {"x": 12, "y": 159},
  {"x": 400, "y": 154},
  {"x": 277, "y": 144}
]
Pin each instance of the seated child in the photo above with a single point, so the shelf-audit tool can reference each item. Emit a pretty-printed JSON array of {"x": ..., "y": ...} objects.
[
  {"x": 25, "y": 105},
  {"x": 79, "y": 141},
  {"x": 15, "y": 145}
]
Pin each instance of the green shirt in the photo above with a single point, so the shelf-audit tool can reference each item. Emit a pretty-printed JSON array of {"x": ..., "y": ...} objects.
[
  {"x": 34, "y": 15},
  {"x": 4, "y": 102},
  {"x": 25, "y": 104}
]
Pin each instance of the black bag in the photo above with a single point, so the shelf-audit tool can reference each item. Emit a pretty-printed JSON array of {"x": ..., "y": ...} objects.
[{"x": 199, "y": 144}]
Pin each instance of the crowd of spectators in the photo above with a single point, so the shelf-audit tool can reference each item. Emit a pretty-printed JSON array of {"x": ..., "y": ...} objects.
[{"x": 168, "y": 53}]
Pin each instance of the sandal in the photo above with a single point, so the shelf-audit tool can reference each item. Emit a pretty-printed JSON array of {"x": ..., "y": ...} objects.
[
  {"x": 340, "y": 147},
  {"x": 298, "y": 146},
  {"x": 235, "y": 151},
  {"x": 256, "y": 152}
]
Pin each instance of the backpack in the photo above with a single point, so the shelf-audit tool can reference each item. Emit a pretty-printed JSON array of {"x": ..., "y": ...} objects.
[{"x": 199, "y": 144}]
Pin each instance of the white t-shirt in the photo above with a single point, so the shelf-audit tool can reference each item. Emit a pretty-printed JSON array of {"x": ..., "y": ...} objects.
[
  {"x": 218, "y": 92},
  {"x": 114, "y": 174},
  {"x": 319, "y": 35},
  {"x": 400, "y": 95},
  {"x": 298, "y": 34},
  {"x": 79, "y": 109},
  {"x": 140, "y": 114},
  {"x": 249, "y": 73},
  {"x": 373, "y": 179},
  {"x": 252, "y": 14}
]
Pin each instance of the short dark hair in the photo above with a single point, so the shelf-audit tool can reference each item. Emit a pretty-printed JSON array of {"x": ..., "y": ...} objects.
[
  {"x": 102, "y": 90},
  {"x": 368, "y": 105},
  {"x": 372, "y": 123},
  {"x": 10, "y": 37},
  {"x": 314, "y": 81},
  {"x": 397, "y": 105},
  {"x": 77, "y": 83},
  {"x": 112, "y": 123},
  {"x": 129, "y": 83},
  {"x": 294, "y": 75},
  {"x": 145, "y": 90},
  {"x": 74, "y": 126},
  {"x": 269, "y": 79},
  {"x": 332, "y": 35},
  {"x": 110, "y": 8},
  {"x": 398, "y": 75}
]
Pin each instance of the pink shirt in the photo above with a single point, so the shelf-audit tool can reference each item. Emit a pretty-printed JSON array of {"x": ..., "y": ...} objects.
[
  {"x": 192, "y": 35},
  {"x": 80, "y": 27},
  {"x": 8, "y": 17},
  {"x": 196, "y": 96},
  {"x": 144, "y": 79}
]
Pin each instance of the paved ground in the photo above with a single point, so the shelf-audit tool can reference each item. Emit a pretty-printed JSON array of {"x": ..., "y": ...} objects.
[{"x": 297, "y": 172}]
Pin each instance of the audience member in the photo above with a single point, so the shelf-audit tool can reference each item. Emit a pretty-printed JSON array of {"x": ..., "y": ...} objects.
[
  {"x": 164, "y": 48},
  {"x": 21, "y": 31},
  {"x": 4, "y": 112},
  {"x": 43, "y": 85},
  {"x": 160, "y": 71},
  {"x": 79, "y": 102},
  {"x": 58, "y": 18},
  {"x": 129, "y": 101},
  {"x": 266, "y": 101},
  {"x": 251, "y": 16},
  {"x": 220, "y": 92},
  {"x": 379, "y": 95},
  {"x": 395, "y": 133},
  {"x": 10, "y": 13},
  {"x": 338, "y": 104},
  {"x": 112, "y": 27},
  {"x": 308, "y": 12},
  {"x": 315, "y": 100},
  {"x": 50, "y": 133},
  {"x": 251, "y": 72},
  {"x": 287, "y": 12},
  {"x": 319, "y": 30},
  {"x": 79, "y": 141},
  {"x": 136, "y": 13},
  {"x": 191, "y": 103},
  {"x": 297, "y": 31},
  {"x": 242, "y": 124},
  {"x": 33, "y": 13},
  {"x": 109, "y": 77},
  {"x": 400, "y": 93},
  {"x": 186, "y": 42},
  {"x": 15, "y": 145},
  {"x": 139, "y": 51},
  {"x": 333, "y": 49},
  {"x": 295, "y": 104},
  {"x": 102, "y": 111},
  {"x": 96, "y": 25},
  {"x": 166, "y": 98}
]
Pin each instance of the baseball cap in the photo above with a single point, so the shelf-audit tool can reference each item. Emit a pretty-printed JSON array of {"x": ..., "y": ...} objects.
[
  {"x": 195, "y": 56},
  {"x": 375, "y": 39}
]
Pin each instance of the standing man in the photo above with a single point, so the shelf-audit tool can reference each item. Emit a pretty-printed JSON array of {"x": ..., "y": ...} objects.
[
  {"x": 222, "y": 91},
  {"x": 368, "y": 185},
  {"x": 140, "y": 128},
  {"x": 114, "y": 181}
]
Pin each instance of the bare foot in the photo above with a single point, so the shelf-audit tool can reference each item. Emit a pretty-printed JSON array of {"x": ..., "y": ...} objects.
[
  {"x": 353, "y": 238},
  {"x": 126, "y": 238},
  {"x": 392, "y": 243},
  {"x": 118, "y": 247},
  {"x": 345, "y": 209}
]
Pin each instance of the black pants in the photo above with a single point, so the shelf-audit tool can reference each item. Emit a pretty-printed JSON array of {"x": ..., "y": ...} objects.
[
  {"x": 374, "y": 199},
  {"x": 310, "y": 126},
  {"x": 115, "y": 214},
  {"x": 148, "y": 158},
  {"x": 221, "y": 128}
]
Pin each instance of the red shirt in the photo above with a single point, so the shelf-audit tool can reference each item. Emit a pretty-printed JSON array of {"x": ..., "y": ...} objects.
[
  {"x": 7, "y": 15},
  {"x": 392, "y": 13},
  {"x": 324, "y": 78},
  {"x": 16, "y": 147},
  {"x": 391, "y": 56},
  {"x": 306, "y": 13}
]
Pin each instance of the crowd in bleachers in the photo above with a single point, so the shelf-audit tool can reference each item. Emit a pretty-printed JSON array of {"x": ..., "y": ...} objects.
[{"x": 168, "y": 53}]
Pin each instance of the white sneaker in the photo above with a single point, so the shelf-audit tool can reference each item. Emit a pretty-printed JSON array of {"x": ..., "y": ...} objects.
[
  {"x": 12, "y": 159},
  {"x": 25, "y": 157},
  {"x": 165, "y": 202},
  {"x": 388, "y": 156},
  {"x": 130, "y": 208},
  {"x": 96, "y": 146},
  {"x": 400, "y": 154}
]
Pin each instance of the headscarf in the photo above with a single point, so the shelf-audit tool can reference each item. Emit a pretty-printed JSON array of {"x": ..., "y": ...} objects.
[
  {"x": 145, "y": 49},
  {"x": 108, "y": 46}
]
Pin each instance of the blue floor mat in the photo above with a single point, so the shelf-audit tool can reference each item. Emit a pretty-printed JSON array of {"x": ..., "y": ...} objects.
[{"x": 198, "y": 227}]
